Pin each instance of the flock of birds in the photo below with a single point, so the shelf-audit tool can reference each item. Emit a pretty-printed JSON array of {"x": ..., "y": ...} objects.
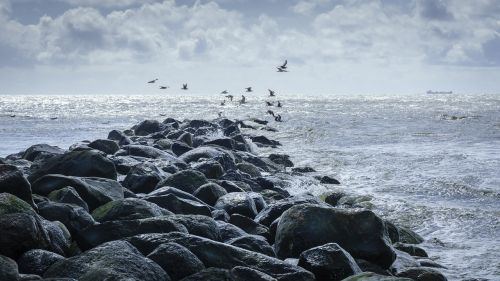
[{"x": 243, "y": 100}]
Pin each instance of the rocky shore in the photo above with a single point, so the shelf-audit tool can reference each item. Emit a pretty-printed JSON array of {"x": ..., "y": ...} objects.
[{"x": 188, "y": 200}]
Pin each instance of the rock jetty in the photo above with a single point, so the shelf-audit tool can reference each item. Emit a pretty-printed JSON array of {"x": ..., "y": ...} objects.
[{"x": 188, "y": 200}]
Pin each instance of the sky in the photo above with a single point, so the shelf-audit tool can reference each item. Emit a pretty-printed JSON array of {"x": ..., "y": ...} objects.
[{"x": 332, "y": 46}]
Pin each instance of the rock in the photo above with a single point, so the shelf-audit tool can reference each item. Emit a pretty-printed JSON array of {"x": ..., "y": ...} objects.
[
  {"x": 209, "y": 193},
  {"x": 201, "y": 123},
  {"x": 68, "y": 195},
  {"x": 10, "y": 204},
  {"x": 230, "y": 186},
  {"x": 210, "y": 274},
  {"x": 199, "y": 225},
  {"x": 124, "y": 164},
  {"x": 429, "y": 263},
  {"x": 253, "y": 243},
  {"x": 116, "y": 260},
  {"x": 143, "y": 178},
  {"x": 409, "y": 237},
  {"x": 303, "y": 170},
  {"x": 370, "y": 276},
  {"x": 333, "y": 198},
  {"x": 263, "y": 141},
  {"x": 229, "y": 231},
  {"x": 146, "y": 152},
  {"x": 176, "y": 260},
  {"x": 147, "y": 127},
  {"x": 241, "y": 273},
  {"x": 371, "y": 267},
  {"x": 328, "y": 180},
  {"x": 186, "y": 138},
  {"x": 35, "y": 150},
  {"x": 179, "y": 148},
  {"x": 8, "y": 269},
  {"x": 393, "y": 231},
  {"x": 274, "y": 210},
  {"x": 220, "y": 255},
  {"x": 329, "y": 262},
  {"x": 360, "y": 232},
  {"x": 237, "y": 202},
  {"x": 422, "y": 274},
  {"x": 104, "y": 145},
  {"x": 87, "y": 163},
  {"x": 231, "y": 130},
  {"x": 75, "y": 218},
  {"x": 259, "y": 201},
  {"x": 281, "y": 159},
  {"x": 128, "y": 209},
  {"x": 37, "y": 261},
  {"x": 263, "y": 163},
  {"x": 207, "y": 153},
  {"x": 120, "y": 137},
  {"x": 250, "y": 169},
  {"x": 411, "y": 249},
  {"x": 220, "y": 215},
  {"x": 211, "y": 169},
  {"x": 226, "y": 143},
  {"x": 250, "y": 226},
  {"x": 94, "y": 191},
  {"x": 164, "y": 144},
  {"x": 179, "y": 205},
  {"x": 187, "y": 180},
  {"x": 114, "y": 230},
  {"x": 13, "y": 181}
]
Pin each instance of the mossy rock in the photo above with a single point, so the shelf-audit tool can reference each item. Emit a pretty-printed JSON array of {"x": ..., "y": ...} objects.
[{"x": 10, "y": 204}]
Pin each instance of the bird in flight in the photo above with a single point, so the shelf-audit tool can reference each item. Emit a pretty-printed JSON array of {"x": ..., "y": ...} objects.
[
  {"x": 224, "y": 92},
  {"x": 269, "y": 103},
  {"x": 230, "y": 97},
  {"x": 283, "y": 66},
  {"x": 281, "y": 69},
  {"x": 153, "y": 81},
  {"x": 249, "y": 89},
  {"x": 271, "y": 93},
  {"x": 163, "y": 87},
  {"x": 184, "y": 87}
]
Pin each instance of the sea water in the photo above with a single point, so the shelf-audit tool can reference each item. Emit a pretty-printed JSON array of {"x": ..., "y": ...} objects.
[{"x": 431, "y": 163}]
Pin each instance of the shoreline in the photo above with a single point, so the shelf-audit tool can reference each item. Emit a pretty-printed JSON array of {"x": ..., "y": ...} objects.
[{"x": 209, "y": 196}]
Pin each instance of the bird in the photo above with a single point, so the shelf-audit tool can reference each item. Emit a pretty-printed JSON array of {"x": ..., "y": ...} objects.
[
  {"x": 271, "y": 93},
  {"x": 53, "y": 118},
  {"x": 243, "y": 99},
  {"x": 223, "y": 102},
  {"x": 269, "y": 103},
  {"x": 224, "y": 92},
  {"x": 283, "y": 66},
  {"x": 184, "y": 87},
  {"x": 281, "y": 69},
  {"x": 163, "y": 87},
  {"x": 279, "y": 104},
  {"x": 249, "y": 89},
  {"x": 270, "y": 112},
  {"x": 277, "y": 118},
  {"x": 153, "y": 81},
  {"x": 230, "y": 97}
]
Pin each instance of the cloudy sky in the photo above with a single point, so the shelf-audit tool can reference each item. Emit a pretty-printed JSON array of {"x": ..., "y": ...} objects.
[{"x": 333, "y": 46}]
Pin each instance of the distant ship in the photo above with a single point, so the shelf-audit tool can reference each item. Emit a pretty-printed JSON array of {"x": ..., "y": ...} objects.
[{"x": 439, "y": 92}]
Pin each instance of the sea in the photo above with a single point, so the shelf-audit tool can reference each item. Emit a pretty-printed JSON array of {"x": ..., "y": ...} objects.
[{"x": 427, "y": 162}]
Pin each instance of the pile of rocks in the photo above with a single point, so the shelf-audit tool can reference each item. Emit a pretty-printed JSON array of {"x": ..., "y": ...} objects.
[{"x": 186, "y": 200}]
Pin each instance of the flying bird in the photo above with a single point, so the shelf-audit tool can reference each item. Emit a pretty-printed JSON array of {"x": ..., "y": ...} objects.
[
  {"x": 224, "y": 92},
  {"x": 243, "y": 99},
  {"x": 283, "y": 66},
  {"x": 281, "y": 69},
  {"x": 163, "y": 87},
  {"x": 271, "y": 93},
  {"x": 230, "y": 97},
  {"x": 249, "y": 89},
  {"x": 184, "y": 87},
  {"x": 153, "y": 81},
  {"x": 223, "y": 102},
  {"x": 269, "y": 103},
  {"x": 270, "y": 112},
  {"x": 279, "y": 104},
  {"x": 277, "y": 118}
]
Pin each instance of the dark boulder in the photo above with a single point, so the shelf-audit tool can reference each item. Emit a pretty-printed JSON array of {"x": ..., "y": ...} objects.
[
  {"x": 206, "y": 152},
  {"x": 147, "y": 127},
  {"x": 220, "y": 215},
  {"x": 230, "y": 186},
  {"x": 410, "y": 249},
  {"x": 370, "y": 276},
  {"x": 35, "y": 150},
  {"x": 146, "y": 152},
  {"x": 226, "y": 143},
  {"x": 250, "y": 226},
  {"x": 408, "y": 236},
  {"x": 179, "y": 148},
  {"x": 37, "y": 261},
  {"x": 303, "y": 170},
  {"x": 68, "y": 195},
  {"x": 104, "y": 145},
  {"x": 164, "y": 144},
  {"x": 422, "y": 274},
  {"x": 263, "y": 141},
  {"x": 176, "y": 260},
  {"x": 210, "y": 168},
  {"x": 241, "y": 273},
  {"x": 281, "y": 159},
  {"x": 333, "y": 198},
  {"x": 73, "y": 217},
  {"x": 327, "y": 180},
  {"x": 201, "y": 123},
  {"x": 113, "y": 230},
  {"x": 120, "y": 137},
  {"x": 8, "y": 269},
  {"x": 329, "y": 262},
  {"x": 116, "y": 260},
  {"x": 210, "y": 274},
  {"x": 186, "y": 138},
  {"x": 124, "y": 164},
  {"x": 360, "y": 232},
  {"x": 209, "y": 193},
  {"x": 87, "y": 163},
  {"x": 229, "y": 231},
  {"x": 143, "y": 178},
  {"x": 13, "y": 181},
  {"x": 199, "y": 225},
  {"x": 259, "y": 201},
  {"x": 187, "y": 180},
  {"x": 128, "y": 209},
  {"x": 253, "y": 243},
  {"x": 237, "y": 203},
  {"x": 249, "y": 168},
  {"x": 178, "y": 202},
  {"x": 10, "y": 204},
  {"x": 94, "y": 191},
  {"x": 274, "y": 210},
  {"x": 402, "y": 262}
]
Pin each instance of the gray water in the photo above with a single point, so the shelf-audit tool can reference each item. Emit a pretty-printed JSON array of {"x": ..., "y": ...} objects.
[{"x": 416, "y": 165}]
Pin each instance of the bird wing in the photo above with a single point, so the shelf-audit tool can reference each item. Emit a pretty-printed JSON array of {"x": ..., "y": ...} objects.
[{"x": 286, "y": 61}]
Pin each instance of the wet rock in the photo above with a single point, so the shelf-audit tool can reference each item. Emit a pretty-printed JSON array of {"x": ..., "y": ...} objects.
[
  {"x": 250, "y": 169},
  {"x": 220, "y": 255},
  {"x": 211, "y": 169},
  {"x": 210, "y": 274},
  {"x": 250, "y": 226},
  {"x": 176, "y": 260},
  {"x": 8, "y": 269},
  {"x": 230, "y": 186},
  {"x": 229, "y": 231},
  {"x": 241, "y": 273},
  {"x": 410, "y": 249},
  {"x": 86, "y": 163},
  {"x": 35, "y": 150},
  {"x": 120, "y": 137},
  {"x": 179, "y": 148},
  {"x": 128, "y": 209},
  {"x": 164, "y": 144},
  {"x": 259, "y": 201},
  {"x": 263, "y": 141},
  {"x": 10, "y": 204},
  {"x": 274, "y": 210},
  {"x": 303, "y": 170},
  {"x": 226, "y": 143},
  {"x": 237, "y": 203},
  {"x": 124, "y": 164},
  {"x": 75, "y": 218},
  {"x": 201, "y": 123},
  {"x": 146, "y": 152},
  {"x": 231, "y": 130},
  {"x": 144, "y": 178},
  {"x": 409, "y": 237},
  {"x": 393, "y": 231},
  {"x": 209, "y": 193},
  {"x": 104, "y": 145},
  {"x": 220, "y": 215},
  {"x": 37, "y": 261},
  {"x": 205, "y": 152},
  {"x": 370, "y": 276},
  {"x": 329, "y": 262},
  {"x": 402, "y": 262},
  {"x": 334, "y": 198},
  {"x": 281, "y": 159},
  {"x": 116, "y": 260},
  {"x": 94, "y": 191},
  {"x": 422, "y": 274},
  {"x": 186, "y": 138},
  {"x": 199, "y": 225},
  {"x": 147, "y": 127},
  {"x": 367, "y": 266},
  {"x": 327, "y": 180},
  {"x": 13, "y": 181},
  {"x": 253, "y": 243},
  {"x": 179, "y": 205},
  {"x": 360, "y": 232},
  {"x": 187, "y": 180},
  {"x": 68, "y": 195},
  {"x": 114, "y": 230}
]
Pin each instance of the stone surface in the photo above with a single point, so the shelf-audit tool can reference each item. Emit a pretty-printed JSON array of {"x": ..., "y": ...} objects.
[
  {"x": 13, "y": 181},
  {"x": 176, "y": 260}
]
